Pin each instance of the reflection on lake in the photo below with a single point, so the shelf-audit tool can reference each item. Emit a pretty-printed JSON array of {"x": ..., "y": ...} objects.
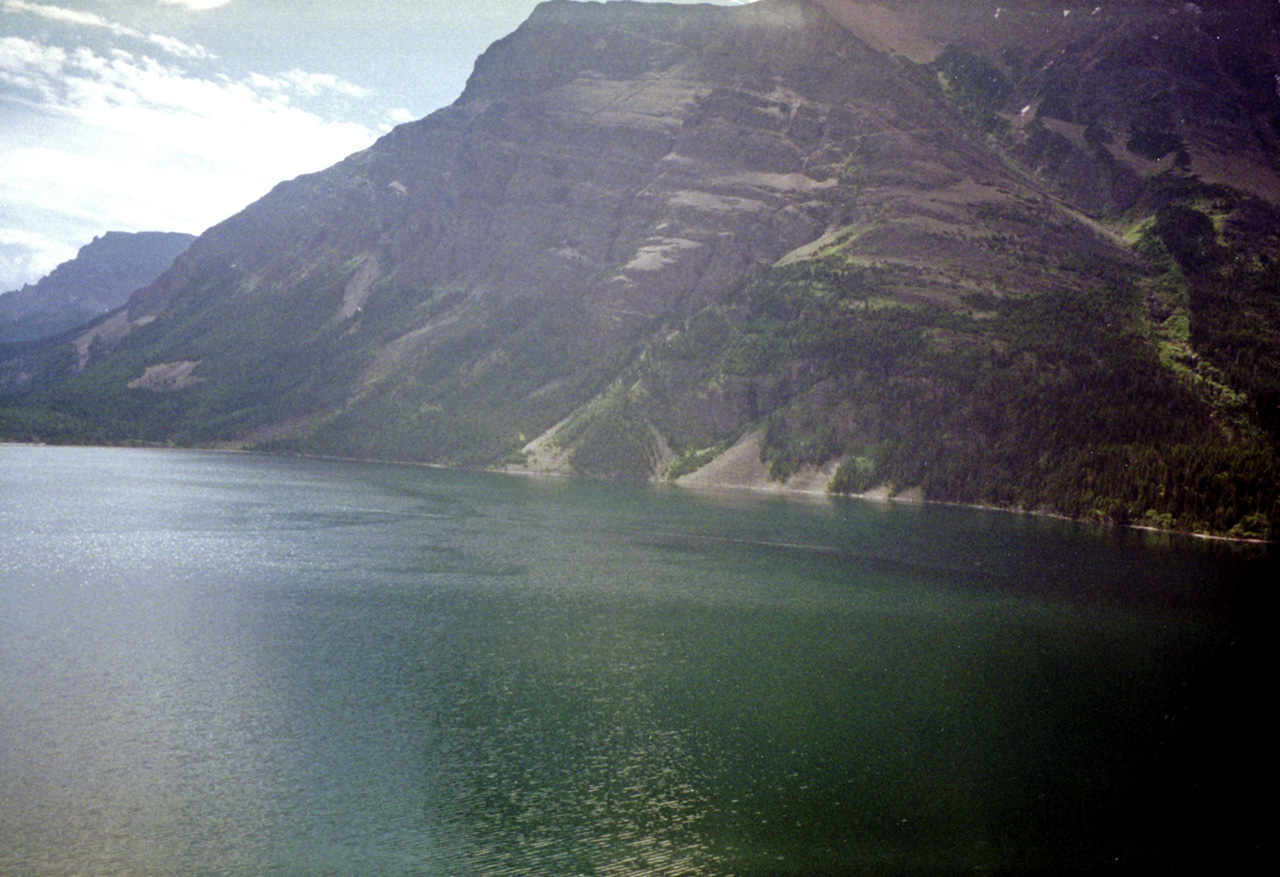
[{"x": 238, "y": 665}]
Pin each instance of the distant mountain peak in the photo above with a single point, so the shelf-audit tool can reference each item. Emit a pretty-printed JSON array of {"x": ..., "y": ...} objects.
[{"x": 100, "y": 278}]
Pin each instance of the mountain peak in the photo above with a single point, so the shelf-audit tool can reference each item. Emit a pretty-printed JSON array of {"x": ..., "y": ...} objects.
[{"x": 904, "y": 247}]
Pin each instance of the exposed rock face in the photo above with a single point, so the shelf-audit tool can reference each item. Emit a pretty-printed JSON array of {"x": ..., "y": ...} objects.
[
  {"x": 645, "y": 231},
  {"x": 632, "y": 154},
  {"x": 622, "y": 162},
  {"x": 619, "y": 161},
  {"x": 99, "y": 278}
]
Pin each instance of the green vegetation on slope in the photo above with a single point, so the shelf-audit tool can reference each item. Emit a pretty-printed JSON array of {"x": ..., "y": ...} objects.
[
  {"x": 1147, "y": 393},
  {"x": 1067, "y": 402}
]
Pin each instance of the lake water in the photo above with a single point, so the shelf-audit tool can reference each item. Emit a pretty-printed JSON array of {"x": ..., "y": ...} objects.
[{"x": 219, "y": 664}]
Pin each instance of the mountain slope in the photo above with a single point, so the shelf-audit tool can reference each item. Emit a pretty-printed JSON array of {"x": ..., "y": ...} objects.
[
  {"x": 98, "y": 279},
  {"x": 870, "y": 255}
]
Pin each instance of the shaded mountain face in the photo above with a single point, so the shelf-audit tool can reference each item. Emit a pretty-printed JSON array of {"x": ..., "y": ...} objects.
[
  {"x": 1012, "y": 256},
  {"x": 100, "y": 278}
]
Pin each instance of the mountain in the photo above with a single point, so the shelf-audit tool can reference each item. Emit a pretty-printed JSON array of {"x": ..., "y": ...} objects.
[
  {"x": 1022, "y": 255},
  {"x": 99, "y": 279}
]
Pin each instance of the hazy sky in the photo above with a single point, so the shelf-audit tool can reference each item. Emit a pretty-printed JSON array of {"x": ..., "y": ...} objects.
[{"x": 171, "y": 115}]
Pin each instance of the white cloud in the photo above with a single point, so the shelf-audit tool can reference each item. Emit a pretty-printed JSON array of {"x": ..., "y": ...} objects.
[
  {"x": 196, "y": 5},
  {"x": 115, "y": 139},
  {"x": 29, "y": 66},
  {"x": 25, "y": 256},
  {"x": 66, "y": 16},
  {"x": 399, "y": 116},
  {"x": 311, "y": 84},
  {"x": 76, "y": 18},
  {"x": 166, "y": 110},
  {"x": 178, "y": 48}
]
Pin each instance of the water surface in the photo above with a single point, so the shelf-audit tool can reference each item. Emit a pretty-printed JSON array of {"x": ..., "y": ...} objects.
[{"x": 240, "y": 665}]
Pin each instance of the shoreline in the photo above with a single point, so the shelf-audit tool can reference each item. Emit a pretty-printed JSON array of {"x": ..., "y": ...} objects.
[{"x": 767, "y": 488}]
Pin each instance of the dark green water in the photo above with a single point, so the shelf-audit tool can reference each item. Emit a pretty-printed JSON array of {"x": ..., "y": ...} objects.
[{"x": 234, "y": 665}]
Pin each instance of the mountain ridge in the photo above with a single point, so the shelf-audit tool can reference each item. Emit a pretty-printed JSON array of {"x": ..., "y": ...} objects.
[
  {"x": 646, "y": 232},
  {"x": 100, "y": 278}
]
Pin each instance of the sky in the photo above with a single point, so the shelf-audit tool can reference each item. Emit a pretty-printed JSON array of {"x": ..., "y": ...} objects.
[{"x": 171, "y": 115}]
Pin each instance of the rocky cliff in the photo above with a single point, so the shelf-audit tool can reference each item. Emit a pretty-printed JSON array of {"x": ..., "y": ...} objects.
[{"x": 1002, "y": 255}]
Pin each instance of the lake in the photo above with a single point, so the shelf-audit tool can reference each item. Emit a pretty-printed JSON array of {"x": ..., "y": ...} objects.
[{"x": 224, "y": 664}]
